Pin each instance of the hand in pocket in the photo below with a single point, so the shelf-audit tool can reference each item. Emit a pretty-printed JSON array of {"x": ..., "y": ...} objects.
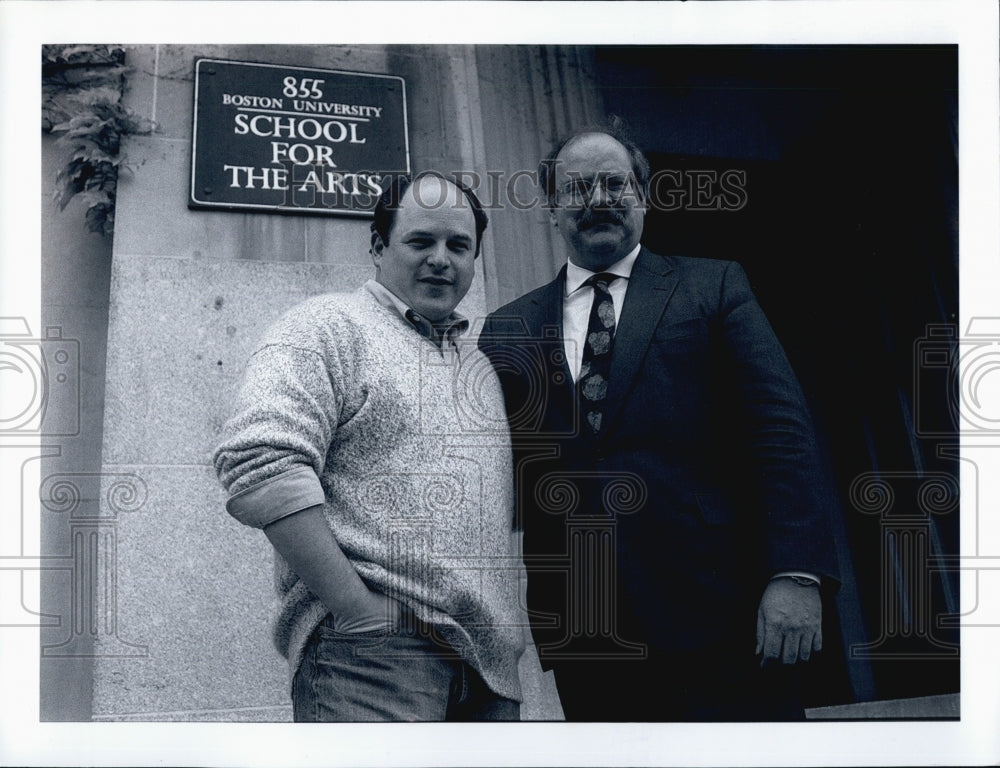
[{"x": 376, "y": 611}]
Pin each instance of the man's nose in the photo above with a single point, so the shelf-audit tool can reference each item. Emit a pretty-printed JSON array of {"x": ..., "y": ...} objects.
[
  {"x": 599, "y": 195},
  {"x": 438, "y": 257}
]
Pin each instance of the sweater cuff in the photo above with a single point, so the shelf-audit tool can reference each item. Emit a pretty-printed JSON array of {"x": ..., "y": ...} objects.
[{"x": 277, "y": 497}]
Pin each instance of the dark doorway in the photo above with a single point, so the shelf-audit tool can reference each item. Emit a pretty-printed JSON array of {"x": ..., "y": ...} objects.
[{"x": 830, "y": 174}]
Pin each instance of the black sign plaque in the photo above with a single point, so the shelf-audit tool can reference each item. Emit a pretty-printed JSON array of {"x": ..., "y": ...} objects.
[{"x": 279, "y": 139}]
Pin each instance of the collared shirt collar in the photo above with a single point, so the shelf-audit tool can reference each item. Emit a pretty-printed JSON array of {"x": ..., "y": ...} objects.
[
  {"x": 577, "y": 276},
  {"x": 450, "y": 328}
]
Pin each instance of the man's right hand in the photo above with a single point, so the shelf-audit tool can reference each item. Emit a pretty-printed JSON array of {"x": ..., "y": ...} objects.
[
  {"x": 374, "y": 612},
  {"x": 309, "y": 547}
]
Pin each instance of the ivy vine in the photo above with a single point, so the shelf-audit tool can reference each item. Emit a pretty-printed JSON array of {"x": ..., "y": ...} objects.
[{"x": 82, "y": 89}]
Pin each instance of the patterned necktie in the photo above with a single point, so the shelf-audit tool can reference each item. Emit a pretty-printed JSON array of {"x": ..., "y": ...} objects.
[{"x": 592, "y": 383}]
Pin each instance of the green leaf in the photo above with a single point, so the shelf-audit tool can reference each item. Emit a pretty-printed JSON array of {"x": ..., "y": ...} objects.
[{"x": 82, "y": 103}]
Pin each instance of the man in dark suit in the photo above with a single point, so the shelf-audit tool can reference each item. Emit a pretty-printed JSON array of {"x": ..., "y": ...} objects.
[{"x": 668, "y": 479}]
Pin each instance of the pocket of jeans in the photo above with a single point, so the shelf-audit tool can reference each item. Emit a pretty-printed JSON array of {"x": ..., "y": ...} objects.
[
  {"x": 391, "y": 625},
  {"x": 345, "y": 651},
  {"x": 330, "y": 633}
]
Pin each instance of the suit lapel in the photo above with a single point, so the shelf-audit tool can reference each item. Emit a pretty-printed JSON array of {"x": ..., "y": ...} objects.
[
  {"x": 649, "y": 289},
  {"x": 547, "y": 316},
  {"x": 546, "y": 326}
]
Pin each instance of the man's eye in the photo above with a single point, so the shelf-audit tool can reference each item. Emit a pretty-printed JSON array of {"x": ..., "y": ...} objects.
[
  {"x": 576, "y": 191},
  {"x": 579, "y": 187},
  {"x": 459, "y": 246},
  {"x": 615, "y": 185},
  {"x": 418, "y": 242}
]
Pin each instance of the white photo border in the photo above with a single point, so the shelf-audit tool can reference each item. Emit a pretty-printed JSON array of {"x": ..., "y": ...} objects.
[{"x": 972, "y": 24}]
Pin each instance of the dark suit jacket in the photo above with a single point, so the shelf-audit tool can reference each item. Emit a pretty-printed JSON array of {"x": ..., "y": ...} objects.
[{"x": 705, "y": 480}]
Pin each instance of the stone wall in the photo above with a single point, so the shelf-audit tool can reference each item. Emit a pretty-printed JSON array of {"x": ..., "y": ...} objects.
[{"x": 76, "y": 273}]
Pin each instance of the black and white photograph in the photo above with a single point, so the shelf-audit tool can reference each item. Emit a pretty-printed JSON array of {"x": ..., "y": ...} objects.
[{"x": 500, "y": 383}]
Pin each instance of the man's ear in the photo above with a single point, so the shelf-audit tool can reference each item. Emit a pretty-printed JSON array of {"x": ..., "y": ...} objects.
[{"x": 376, "y": 248}]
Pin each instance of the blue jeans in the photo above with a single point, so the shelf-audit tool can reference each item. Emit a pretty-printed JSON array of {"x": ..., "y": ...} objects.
[{"x": 400, "y": 674}]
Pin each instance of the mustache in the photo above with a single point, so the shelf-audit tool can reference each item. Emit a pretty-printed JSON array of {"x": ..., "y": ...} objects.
[{"x": 590, "y": 217}]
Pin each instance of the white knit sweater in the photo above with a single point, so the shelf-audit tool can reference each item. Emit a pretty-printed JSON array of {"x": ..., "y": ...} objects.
[{"x": 344, "y": 404}]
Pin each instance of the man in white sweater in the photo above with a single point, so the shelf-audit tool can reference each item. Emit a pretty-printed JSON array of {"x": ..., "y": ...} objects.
[{"x": 370, "y": 444}]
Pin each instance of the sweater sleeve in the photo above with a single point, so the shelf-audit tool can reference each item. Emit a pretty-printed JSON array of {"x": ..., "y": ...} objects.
[{"x": 274, "y": 447}]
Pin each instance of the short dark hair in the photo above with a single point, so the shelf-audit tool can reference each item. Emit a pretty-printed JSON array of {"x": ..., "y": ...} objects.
[
  {"x": 612, "y": 126},
  {"x": 389, "y": 201}
]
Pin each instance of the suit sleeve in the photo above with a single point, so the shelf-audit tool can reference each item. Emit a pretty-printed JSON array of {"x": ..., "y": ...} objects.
[{"x": 796, "y": 502}]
